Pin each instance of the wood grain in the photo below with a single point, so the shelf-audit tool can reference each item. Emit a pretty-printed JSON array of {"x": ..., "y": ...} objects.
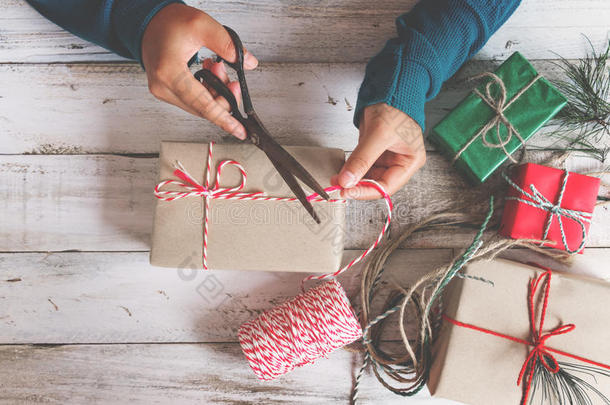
[
  {"x": 176, "y": 374},
  {"x": 120, "y": 298},
  {"x": 103, "y": 326},
  {"x": 86, "y": 288},
  {"x": 322, "y": 31},
  {"x": 77, "y": 298},
  {"x": 105, "y": 203},
  {"x": 106, "y": 108}
]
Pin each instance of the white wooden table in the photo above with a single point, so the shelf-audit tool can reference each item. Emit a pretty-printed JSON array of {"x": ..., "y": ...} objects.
[{"x": 84, "y": 318}]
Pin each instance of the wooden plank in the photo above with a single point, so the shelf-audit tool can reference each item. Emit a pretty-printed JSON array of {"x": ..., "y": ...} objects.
[
  {"x": 120, "y": 298},
  {"x": 106, "y": 108},
  {"x": 176, "y": 373},
  {"x": 315, "y": 31},
  {"x": 105, "y": 203},
  {"x": 160, "y": 373}
]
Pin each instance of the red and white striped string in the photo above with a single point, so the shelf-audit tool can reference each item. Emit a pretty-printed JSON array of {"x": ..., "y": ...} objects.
[
  {"x": 389, "y": 206},
  {"x": 309, "y": 326},
  {"x": 195, "y": 189},
  {"x": 303, "y": 329},
  {"x": 299, "y": 331}
]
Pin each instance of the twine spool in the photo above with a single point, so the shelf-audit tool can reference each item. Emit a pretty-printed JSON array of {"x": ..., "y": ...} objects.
[
  {"x": 299, "y": 331},
  {"x": 309, "y": 326}
]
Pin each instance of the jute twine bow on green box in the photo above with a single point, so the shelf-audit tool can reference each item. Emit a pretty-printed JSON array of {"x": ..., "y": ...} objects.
[
  {"x": 538, "y": 200},
  {"x": 498, "y": 105}
]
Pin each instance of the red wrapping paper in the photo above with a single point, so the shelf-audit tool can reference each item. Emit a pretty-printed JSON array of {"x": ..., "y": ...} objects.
[{"x": 523, "y": 221}]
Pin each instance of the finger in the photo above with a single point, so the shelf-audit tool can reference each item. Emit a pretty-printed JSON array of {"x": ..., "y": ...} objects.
[
  {"x": 376, "y": 172},
  {"x": 207, "y": 63},
  {"x": 235, "y": 89},
  {"x": 218, "y": 40},
  {"x": 391, "y": 179},
  {"x": 360, "y": 161},
  {"x": 220, "y": 70},
  {"x": 197, "y": 97}
]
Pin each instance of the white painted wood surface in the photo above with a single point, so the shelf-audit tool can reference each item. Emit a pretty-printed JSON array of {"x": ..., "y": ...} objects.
[
  {"x": 323, "y": 30},
  {"x": 97, "y": 323},
  {"x": 176, "y": 374},
  {"x": 119, "y": 298},
  {"x": 105, "y": 203},
  {"x": 106, "y": 108},
  {"x": 95, "y": 298}
]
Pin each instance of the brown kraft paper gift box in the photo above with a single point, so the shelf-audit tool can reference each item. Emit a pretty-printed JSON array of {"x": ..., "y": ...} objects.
[
  {"x": 481, "y": 369},
  {"x": 246, "y": 234}
]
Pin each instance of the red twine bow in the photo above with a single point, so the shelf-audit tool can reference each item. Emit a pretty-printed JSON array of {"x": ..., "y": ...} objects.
[{"x": 540, "y": 352}]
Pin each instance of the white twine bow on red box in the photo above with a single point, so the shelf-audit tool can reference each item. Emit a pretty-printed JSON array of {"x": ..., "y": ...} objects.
[{"x": 305, "y": 328}]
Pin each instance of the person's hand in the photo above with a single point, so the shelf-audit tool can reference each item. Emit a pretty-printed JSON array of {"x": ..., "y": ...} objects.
[
  {"x": 390, "y": 150},
  {"x": 171, "y": 38}
]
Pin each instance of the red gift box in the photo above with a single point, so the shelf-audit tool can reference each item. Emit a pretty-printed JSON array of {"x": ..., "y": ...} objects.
[{"x": 551, "y": 204}]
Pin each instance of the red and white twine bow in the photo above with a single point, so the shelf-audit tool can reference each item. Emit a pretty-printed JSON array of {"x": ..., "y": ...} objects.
[
  {"x": 305, "y": 328},
  {"x": 309, "y": 326},
  {"x": 192, "y": 188}
]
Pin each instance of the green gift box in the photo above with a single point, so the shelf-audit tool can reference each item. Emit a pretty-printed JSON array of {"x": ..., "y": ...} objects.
[{"x": 496, "y": 118}]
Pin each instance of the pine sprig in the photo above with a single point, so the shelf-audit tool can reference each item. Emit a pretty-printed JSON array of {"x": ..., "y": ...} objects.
[
  {"x": 584, "y": 123},
  {"x": 566, "y": 387}
]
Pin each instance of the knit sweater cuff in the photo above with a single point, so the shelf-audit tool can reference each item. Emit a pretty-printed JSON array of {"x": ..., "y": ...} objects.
[
  {"x": 392, "y": 77},
  {"x": 131, "y": 19}
]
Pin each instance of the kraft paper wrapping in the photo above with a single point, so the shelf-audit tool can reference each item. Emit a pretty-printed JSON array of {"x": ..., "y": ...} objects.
[
  {"x": 248, "y": 235},
  {"x": 479, "y": 369}
]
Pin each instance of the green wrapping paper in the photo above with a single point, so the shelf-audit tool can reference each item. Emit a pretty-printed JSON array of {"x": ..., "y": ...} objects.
[{"x": 530, "y": 101}]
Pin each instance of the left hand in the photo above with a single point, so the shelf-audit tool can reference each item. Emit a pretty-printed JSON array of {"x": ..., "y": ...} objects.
[{"x": 390, "y": 150}]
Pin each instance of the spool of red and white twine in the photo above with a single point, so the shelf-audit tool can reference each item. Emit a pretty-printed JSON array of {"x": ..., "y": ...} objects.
[
  {"x": 309, "y": 326},
  {"x": 303, "y": 329}
]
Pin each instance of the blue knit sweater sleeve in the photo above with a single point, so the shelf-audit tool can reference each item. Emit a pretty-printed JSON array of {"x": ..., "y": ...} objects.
[
  {"x": 434, "y": 39},
  {"x": 117, "y": 25}
]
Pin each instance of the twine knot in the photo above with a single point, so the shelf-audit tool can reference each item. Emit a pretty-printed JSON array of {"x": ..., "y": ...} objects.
[
  {"x": 538, "y": 200},
  {"x": 499, "y": 105}
]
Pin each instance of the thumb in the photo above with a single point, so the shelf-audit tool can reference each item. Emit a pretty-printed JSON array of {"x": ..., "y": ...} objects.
[
  {"x": 360, "y": 161},
  {"x": 218, "y": 40}
]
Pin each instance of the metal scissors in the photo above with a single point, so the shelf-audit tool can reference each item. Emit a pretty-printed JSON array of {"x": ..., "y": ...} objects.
[{"x": 286, "y": 165}]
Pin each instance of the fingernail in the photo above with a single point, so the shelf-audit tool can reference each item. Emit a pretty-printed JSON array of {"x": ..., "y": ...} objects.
[
  {"x": 347, "y": 179},
  {"x": 250, "y": 61},
  {"x": 240, "y": 133}
]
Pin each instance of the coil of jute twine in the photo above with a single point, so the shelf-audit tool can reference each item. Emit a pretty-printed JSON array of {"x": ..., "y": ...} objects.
[{"x": 405, "y": 372}]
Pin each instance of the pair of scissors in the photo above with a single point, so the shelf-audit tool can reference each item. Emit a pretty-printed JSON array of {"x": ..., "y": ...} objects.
[{"x": 286, "y": 165}]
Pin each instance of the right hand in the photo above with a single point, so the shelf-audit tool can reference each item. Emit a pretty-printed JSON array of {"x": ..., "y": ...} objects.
[{"x": 171, "y": 38}]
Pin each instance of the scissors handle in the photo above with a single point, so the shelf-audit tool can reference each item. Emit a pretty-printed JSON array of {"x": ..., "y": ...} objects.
[
  {"x": 238, "y": 66},
  {"x": 211, "y": 80}
]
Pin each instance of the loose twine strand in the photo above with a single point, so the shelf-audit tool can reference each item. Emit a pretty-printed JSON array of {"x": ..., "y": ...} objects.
[{"x": 404, "y": 372}]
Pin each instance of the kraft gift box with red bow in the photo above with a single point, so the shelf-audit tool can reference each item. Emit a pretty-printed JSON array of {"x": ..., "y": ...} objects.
[
  {"x": 224, "y": 206},
  {"x": 525, "y": 335},
  {"x": 545, "y": 203}
]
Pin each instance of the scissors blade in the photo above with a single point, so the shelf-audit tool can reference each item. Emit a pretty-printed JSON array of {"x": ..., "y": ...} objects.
[
  {"x": 277, "y": 153},
  {"x": 293, "y": 185}
]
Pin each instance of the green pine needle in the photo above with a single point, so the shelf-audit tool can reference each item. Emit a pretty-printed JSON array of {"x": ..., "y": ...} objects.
[
  {"x": 584, "y": 123},
  {"x": 566, "y": 387}
]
